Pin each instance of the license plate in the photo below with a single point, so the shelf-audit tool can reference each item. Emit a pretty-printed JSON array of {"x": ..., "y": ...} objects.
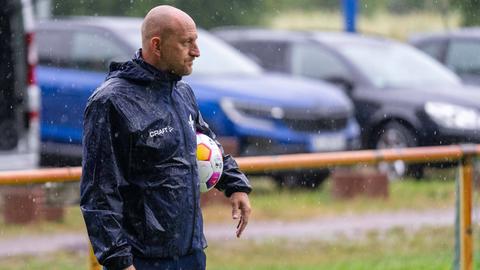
[{"x": 328, "y": 143}]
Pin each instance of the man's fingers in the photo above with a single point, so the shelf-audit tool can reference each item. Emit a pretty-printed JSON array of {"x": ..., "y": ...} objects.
[
  {"x": 239, "y": 222},
  {"x": 240, "y": 210},
  {"x": 235, "y": 210},
  {"x": 241, "y": 226}
]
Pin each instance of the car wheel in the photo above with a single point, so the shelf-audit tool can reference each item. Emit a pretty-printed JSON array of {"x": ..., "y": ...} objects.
[
  {"x": 310, "y": 179},
  {"x": 396, "y": 135}
]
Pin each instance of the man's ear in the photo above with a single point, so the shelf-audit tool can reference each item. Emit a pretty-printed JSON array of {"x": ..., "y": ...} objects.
[{"x": 156, "y": 45}]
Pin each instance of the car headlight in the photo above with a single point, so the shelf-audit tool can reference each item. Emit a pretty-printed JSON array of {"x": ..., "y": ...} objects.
[
  {"x": 453, "y": 116},
  {"x": 253, "y": 115}
]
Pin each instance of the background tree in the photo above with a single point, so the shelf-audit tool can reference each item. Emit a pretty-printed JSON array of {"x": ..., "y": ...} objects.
[
  {"x": 211, "y": 13},
  {"x": 207, "y": 13},
  {"x": 470, "y": 11}
]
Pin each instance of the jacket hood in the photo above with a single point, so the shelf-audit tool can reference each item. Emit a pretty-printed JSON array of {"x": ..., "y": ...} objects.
[{"x": 140, "y": 71}]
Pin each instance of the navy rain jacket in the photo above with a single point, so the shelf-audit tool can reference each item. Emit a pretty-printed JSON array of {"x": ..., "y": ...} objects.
[{"x": 140, "y": 186}]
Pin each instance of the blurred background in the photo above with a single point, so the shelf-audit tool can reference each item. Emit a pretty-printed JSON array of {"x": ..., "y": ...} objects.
[
  {"x": 388, "y": 17},
  {"x": 274, "y": 77}
]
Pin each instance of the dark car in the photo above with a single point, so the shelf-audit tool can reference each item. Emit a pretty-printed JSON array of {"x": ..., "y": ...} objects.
[
  {"x": 403, "y": 98},
  {"x": 19, "y": 93},
  {"x": 260, "y": 112},
  {"x": 456, "y": 49}
]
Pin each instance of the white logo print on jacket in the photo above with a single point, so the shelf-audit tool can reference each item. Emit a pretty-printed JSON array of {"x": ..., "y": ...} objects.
[{"x": 160, "y": 131}]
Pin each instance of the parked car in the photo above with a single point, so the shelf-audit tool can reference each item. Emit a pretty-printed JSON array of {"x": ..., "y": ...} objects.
[
  {"x": 19, "y": 94},
  {"x": 456, "y": 49},
  {"x": 262, "y": 113},
  {"x": 403, "y": 98}
]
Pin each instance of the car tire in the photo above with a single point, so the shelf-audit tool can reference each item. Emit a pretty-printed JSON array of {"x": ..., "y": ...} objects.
[
  {"x": 309, "y": 179},
  {"x": 396, "y": 135}
]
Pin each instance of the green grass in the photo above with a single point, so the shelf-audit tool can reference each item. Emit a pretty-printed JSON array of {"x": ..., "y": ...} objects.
[
  {"x": 426, "y": 249},
  {"x": 438, "y": 191},
  {"x": 56, "y": 261}
]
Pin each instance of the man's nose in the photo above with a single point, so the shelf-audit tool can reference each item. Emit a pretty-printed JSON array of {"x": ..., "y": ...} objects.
[{"x": 195, "y": 51}]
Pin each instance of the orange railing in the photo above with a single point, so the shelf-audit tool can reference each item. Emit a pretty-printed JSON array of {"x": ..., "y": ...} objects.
[{"x": 463, "y": 154}]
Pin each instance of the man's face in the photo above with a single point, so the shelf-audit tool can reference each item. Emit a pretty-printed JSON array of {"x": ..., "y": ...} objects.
[{"x": 179, "y": 50}]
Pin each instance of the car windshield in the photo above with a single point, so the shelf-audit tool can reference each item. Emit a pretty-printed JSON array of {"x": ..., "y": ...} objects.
[
  {"x": 396, "y": 65},
  {"x": 216, "y": 57}
]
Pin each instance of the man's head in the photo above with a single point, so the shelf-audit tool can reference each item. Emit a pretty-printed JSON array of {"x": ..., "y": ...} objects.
[{"x": 169, "y": 38}]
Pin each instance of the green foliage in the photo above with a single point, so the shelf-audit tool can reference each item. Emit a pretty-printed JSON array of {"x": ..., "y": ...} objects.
[
  {"x": 400, "y": 7},
  {"x": 370, "y": 7},
  {"x": 470, "y": 11},
  {"x": 208, "y": 13},
  {"x": 211, "y": 13},
  {"x": 90, "y": 7}
]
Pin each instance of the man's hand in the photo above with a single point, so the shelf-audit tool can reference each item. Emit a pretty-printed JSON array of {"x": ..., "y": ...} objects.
[
  {"x": 240, "y": 210},
  {"x": 131, "y": 267}
]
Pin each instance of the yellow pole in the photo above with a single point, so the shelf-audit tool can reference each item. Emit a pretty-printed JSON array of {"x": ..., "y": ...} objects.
[
  {"x": 466, "y": 241},
  {"x": 94, "y": 265}
]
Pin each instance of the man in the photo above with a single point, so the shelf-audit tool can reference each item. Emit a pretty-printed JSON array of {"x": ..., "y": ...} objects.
[{"x": 140, "y": 189}]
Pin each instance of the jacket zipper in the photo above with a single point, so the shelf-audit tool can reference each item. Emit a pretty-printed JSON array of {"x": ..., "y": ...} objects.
[{"x": 172, "y": 86}]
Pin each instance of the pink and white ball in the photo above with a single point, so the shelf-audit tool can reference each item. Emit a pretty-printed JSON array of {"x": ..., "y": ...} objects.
[{"x": 209, "y": 161}]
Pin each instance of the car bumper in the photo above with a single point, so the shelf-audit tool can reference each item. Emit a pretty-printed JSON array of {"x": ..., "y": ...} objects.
[{"x": 277, "y": 143}]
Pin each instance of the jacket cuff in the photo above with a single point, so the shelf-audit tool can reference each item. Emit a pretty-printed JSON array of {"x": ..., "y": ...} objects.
[
  {"x": 118, "y": 263},
  {"x": 230, "y": 191}
]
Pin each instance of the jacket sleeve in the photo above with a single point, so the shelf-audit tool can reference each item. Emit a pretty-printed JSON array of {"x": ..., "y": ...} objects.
[
  {"x": 100, "y": 200},
  {"x": 232, "y": 179}
]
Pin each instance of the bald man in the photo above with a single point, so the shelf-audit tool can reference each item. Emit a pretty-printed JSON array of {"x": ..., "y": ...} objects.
[{"x": 140, "y": 186}]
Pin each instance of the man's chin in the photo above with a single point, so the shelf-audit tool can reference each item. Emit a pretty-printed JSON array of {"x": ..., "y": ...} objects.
[
  {"x": 187, "y": 72},
  {"x": 182, "y": 72}
]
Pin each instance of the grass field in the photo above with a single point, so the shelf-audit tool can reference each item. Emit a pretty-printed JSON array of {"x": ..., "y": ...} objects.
[
  {"x": 429, "y": 248},
  {"x": 426, "y": 249}
]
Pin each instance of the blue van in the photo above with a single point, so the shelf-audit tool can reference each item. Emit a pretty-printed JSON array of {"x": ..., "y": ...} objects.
[{"x": 252, "y": 112}]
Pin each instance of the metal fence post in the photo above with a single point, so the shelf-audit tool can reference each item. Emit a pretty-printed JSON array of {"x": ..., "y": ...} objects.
[{"x": 466, "y": 240}]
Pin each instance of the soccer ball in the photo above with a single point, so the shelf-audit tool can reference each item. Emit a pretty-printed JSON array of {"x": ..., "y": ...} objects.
[{"x": 209, "y": 161}]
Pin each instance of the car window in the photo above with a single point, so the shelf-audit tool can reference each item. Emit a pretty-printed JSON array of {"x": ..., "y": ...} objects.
[
  {"x": 95, "y": 51},
  {"x": 54, "y": 48},
  {"x": 463, "y": 56},
  {"x": 433, "y": 48},
  {"x": 396, "y": 65},
  {"x": 313, "y": 61},
  {"x": 271, "y": 55}
]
